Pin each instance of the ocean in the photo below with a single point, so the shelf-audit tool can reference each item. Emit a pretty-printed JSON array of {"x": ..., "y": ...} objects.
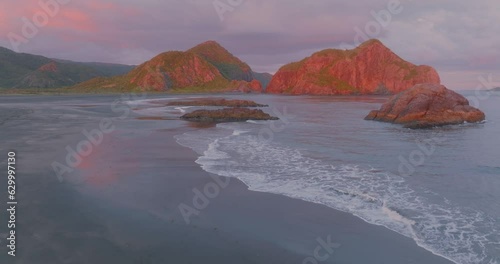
[{"x": 439, "y": 187}]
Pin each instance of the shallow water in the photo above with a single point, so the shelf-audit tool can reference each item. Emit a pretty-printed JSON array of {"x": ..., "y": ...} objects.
[{"x": 440, "y": 187}]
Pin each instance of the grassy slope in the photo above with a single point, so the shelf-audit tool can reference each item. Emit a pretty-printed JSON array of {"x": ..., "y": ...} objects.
[
  {"x": 263, "y": 78},
  {"x": 13, "y": 66},
  {"x": 228, "y": 65},
  {"x": 104, "y": 69},
  {"x": 212, "y": 56},
  {"x": 174, "y": 64},
  {"x": 168, "y": 63},
  {"x": 19, "y": 70}
]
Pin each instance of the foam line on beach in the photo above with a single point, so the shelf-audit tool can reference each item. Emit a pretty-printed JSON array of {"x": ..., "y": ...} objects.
[{"x": 380, "y": 198}]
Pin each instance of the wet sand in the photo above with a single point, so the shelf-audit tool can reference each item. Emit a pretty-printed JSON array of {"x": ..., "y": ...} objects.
[{"x": 121, "y": 205}]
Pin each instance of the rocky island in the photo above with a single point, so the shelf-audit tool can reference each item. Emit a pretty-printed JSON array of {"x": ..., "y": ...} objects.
[
  {"x": 426, "y": 106},
  {"x": 227, "y": 115}
]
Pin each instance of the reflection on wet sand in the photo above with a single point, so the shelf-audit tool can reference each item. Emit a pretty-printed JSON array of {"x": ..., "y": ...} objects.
[
  {"x": 155, "y": 118},
  {"x": 202, "y": 124}
]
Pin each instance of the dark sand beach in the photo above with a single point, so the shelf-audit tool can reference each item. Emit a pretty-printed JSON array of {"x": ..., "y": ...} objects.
[
  {"x": 121, "y": 205},
  {"x": 258, "y": 227}
]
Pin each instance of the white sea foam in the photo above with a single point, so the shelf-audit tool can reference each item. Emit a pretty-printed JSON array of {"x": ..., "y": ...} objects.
[
  {"x": 458, "y": 234},
  {"x": 182, "y": 109},
  {"x": 151, "y": 111},
  {"x": 239, "y": 132}
]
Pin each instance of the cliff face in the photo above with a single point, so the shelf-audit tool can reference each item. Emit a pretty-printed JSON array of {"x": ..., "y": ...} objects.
[
  {"x": 370, "y": 68},
  {"x": 208, "y": 67}
]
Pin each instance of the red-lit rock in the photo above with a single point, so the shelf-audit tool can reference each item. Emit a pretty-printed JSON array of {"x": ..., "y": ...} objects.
[
  {"x": 425, "y": 106},
  {"x": 370, "y": 68}
]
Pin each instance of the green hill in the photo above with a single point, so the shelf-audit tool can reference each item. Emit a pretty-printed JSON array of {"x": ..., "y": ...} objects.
[
  {"x": 208, "y": 67},
  {"x": 22, "y": 70},
  {"x": 229, "y": 66},
  {"x": 264, "y": 78}
]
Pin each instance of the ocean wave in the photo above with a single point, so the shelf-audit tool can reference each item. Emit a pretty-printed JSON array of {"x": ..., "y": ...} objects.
[{"x": 458, "y": 234}]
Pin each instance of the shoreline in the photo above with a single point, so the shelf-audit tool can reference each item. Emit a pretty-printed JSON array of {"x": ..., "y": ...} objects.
[
  {"x": 122, "y": 205},
  {"x": 312, "y": 218}
]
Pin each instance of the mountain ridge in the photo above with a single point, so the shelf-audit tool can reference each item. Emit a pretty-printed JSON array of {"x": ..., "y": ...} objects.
[{"x": 23, "y": 70}]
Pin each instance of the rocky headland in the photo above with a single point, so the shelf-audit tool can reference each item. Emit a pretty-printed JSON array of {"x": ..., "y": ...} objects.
[{"x": 371, "y": 68}]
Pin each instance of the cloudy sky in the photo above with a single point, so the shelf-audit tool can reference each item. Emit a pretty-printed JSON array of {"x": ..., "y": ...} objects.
[{"x": 459, "y": 38}]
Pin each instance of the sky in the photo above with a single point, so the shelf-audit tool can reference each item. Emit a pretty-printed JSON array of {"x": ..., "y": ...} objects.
[{"x": 459, "y": 38}]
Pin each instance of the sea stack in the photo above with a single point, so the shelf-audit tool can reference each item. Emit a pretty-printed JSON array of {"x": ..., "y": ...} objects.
[{"x": 426, "y": 106}]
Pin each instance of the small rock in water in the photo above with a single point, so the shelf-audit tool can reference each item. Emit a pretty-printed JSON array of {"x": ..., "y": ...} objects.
[
  {"x": 227, "y": 115},
  {"x": 426, "y": 106}
]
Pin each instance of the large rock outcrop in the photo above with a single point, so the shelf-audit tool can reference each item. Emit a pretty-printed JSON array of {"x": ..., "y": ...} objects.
[
  {"x": 425, "y": 106},
  {"x": 371, "y": 68},
  {"x": 208, "y": 67}
]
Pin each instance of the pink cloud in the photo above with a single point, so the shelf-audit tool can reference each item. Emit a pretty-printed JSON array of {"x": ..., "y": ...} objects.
[
  {"x": 94, "y": 16},
  {"x": 99, "y": 5},
  {"x": 266, "y": 34},
  {"x": 73, "y": 19},
  {"x": 3, "y": 22}
]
